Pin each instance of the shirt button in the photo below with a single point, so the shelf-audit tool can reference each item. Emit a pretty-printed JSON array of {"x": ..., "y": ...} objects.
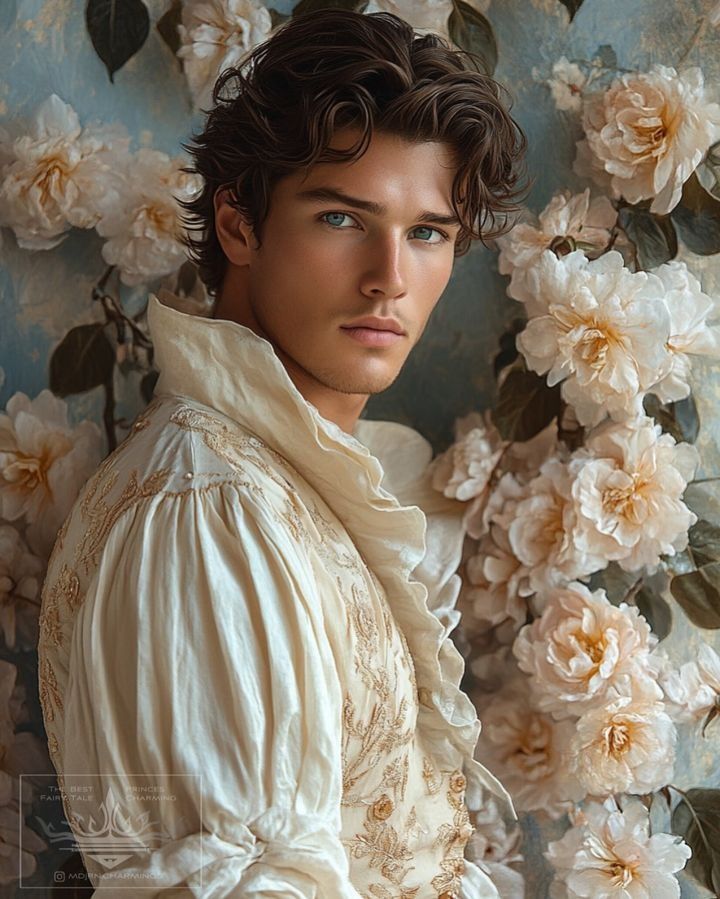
[{"x": 383, "y": 807}]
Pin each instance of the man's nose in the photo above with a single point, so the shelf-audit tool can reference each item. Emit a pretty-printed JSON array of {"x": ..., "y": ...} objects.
[{"x": 386, "y": 269}]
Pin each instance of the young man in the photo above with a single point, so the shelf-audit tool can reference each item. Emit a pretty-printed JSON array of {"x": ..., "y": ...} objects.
[{"x": 245, "y": 607}]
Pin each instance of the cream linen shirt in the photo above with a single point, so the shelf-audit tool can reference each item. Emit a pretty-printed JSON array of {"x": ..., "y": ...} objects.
[{"x": 240, "y": 599}]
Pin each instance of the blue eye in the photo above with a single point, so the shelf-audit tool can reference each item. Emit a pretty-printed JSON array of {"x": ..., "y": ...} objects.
[
  {"x": 340, "y": 214},
  {"x": 338, "y": 227}
]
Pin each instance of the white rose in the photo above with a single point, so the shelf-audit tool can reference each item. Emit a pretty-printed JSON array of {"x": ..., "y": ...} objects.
[
  {"x": 649, "y": 131},
  {"x": 603, "y": 336},
  {"x": 59, "y": 176},
  {"x": 498, "y": 587},
  {"x": 144, "y": 231},
  {"x": 694, "y": 690},
  {"x": 528, "y": 751},
  {"x": 215, "y": 35},
  {"x": 689, "y": 309},
  {"x": 569, "y": 221},
  {"x": 624, "y": 746},
  {"x": 43, "y": 464},
  {"x": 628, "y": 488},
  {"x": 541, "y": 533},
  {"x": 582, "y": 650},
  {"x": 609, "y": 854},
  {"x": 567, "y": 84},
  {"x": 464, "y": 470}
]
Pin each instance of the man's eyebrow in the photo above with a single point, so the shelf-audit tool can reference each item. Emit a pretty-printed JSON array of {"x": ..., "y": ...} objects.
[{"x": 339, "y": 196}]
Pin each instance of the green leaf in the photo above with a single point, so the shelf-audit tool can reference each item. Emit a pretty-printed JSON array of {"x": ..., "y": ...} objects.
[
  {"x": 679, "y": 419},
  {"x": 117, "y": 29},
  {"x": 653, "y": 235},
  {"x": 607, "y": 56},
  {"x": 710, "y": 717},
  {"x": 697, "y": 218},
  {"x": 572, "y": 6},
  {"x": 704, "y": 543},
  {"x": 167, "y": 26},
  {"x": 525, "y": 405},
  {"x": 471, "y": 31},
  {"x": 656, "y": 611},
  {"x": 697, "y": 819},
  {"x": 615, "y": 581},
  {"x": 698, "y": 594},
  {"x": 305, "y": 6},
  {"x": 508, "y": 351},
  {"x": 83, "y": 359}
]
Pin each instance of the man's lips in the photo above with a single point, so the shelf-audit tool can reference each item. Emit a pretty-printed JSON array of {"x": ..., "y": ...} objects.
[{"x": 373, "y": 336}]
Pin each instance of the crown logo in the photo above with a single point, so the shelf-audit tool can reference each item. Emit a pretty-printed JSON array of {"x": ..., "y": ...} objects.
[{"x": 114, "y": 838}]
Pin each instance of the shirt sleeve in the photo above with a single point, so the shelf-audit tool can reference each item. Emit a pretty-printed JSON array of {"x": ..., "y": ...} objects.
[{"x": 200, "y": 667}]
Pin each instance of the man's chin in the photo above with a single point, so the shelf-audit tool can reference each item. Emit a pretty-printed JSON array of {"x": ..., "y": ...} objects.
[{"x": 362, "y": 386}]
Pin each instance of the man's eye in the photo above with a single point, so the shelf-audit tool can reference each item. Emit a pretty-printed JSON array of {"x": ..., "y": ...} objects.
[
  {"x": 442, "y": 236},
  {"x": 341, "y": 215},
  {"x": 326, "y": 216}
]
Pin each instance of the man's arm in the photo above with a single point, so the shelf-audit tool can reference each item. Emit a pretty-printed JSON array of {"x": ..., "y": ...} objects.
[{"x": 201, "y": 650}]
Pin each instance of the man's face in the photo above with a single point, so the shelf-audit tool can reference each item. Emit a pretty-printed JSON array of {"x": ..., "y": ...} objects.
[{"x": 324, "y": 262}]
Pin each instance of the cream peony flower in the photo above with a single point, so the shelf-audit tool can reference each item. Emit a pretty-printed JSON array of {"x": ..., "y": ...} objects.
[
  {"x": 628, "y": 487},
  {"x": 59, "y": 176},
  {"x": 215, "y": 35},
  {"x": 144, "y": 230},
  {"x": 527, "y": 750},
  {"x": 569, "y": 222},
  {"x": 567, "y": 84},
  {"x": 609, "y": 854},
  {"x": 689, "y": 309},
  {"x": 693, "y": 692},
  {"x": 498, "y": 585},
  {"x": 541, "y": 534},
  {"x": 21, "y": 574},
  {"x": 583, "y": 651},
  {"x": 464, "y": 470},
  {"x": 649, "y": 131},
  {"x": 625, "y": 746},
  {"x": 604, "y": 334},
  {"x": 43, "y": 464}
]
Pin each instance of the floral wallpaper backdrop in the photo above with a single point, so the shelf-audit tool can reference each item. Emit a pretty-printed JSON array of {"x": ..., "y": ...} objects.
[{"x": 569, "y": 382}]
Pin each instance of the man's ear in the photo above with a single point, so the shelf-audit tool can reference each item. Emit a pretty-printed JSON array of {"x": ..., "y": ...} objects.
[{"x": 235, "y": 235}]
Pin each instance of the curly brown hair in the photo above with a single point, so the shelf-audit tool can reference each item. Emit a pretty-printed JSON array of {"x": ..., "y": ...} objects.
[{"x": 332, "y": 68}]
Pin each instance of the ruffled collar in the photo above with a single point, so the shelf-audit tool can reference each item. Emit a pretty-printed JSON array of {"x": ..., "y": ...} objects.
[{"x": 228, "y": 367}]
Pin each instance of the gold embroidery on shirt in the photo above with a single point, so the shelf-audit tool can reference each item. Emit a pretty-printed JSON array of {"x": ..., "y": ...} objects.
[
  {"x": 433, "y": 783},
  {"x": 382, "y": 845},
  {"x": 50, "y": 697},
  {"x": 453, "y": 837},
  {"x": 378, "y": 891},
  {"x": 102, "y": 517}
]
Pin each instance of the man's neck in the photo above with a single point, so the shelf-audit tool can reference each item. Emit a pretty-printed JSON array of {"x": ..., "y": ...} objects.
[{"x": 344, "y": 409}]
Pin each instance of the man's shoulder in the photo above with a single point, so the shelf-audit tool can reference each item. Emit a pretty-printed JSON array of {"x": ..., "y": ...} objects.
[
  {"x": 176, "y": 448},
  {"x": 178, "y": 444}
]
